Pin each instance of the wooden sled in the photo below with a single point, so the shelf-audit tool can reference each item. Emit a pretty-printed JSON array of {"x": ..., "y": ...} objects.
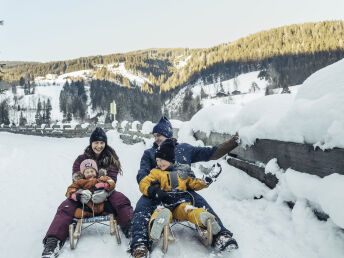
[
  {"x": 206, "y": 235},
  {"x": 79, "y": 225}
]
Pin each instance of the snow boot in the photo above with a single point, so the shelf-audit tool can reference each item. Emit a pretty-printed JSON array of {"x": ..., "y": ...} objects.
[
  {"x": 159, "y": 222},
  {"x": 224, "y": 242},
  {"x": 204, "y": 216},
  {"x": 52, "y": 247},
  {"x": 140, "y": 251}
]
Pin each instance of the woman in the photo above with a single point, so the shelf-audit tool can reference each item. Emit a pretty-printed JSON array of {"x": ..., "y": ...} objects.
[{"x": 107, "y": 160}]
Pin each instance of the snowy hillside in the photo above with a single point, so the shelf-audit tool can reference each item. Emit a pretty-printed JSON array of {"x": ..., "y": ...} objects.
[
  {"x": 87, "y": 75},
  {"x": 29, "y": 102},
  {"x": 239, "y": 90},
  {"x": 36, "y": 180}
]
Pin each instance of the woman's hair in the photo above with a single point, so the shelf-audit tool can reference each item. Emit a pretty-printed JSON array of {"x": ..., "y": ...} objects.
[{"x": 106, "y": 158}]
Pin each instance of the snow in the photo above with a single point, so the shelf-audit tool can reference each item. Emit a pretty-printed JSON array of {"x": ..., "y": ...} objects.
[
  {"x": 29, "y": 102},
  {"x": 180, "y": 63},
  {"x": 36, "y": 172},
  {"x": 134, "y": 126},
  {"x": 133, "y": 78},
  {"x": 313, "y": 114},
  {"x": 147, "y": 127},
  {"x": 242, "y": 83}
]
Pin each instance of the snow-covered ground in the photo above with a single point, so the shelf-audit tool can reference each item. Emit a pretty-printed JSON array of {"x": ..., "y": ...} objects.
[{"x": 37, "y": 170}]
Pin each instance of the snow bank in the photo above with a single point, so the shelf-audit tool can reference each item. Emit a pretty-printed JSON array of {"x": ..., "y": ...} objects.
[
  {"x": 326, "y": 194},
  {"x": 312, "y": 115},
  {"x": 147, "y": 127}
]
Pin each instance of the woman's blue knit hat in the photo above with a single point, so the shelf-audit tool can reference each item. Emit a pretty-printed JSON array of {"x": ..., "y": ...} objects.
[{"x": 163, "y": 127}]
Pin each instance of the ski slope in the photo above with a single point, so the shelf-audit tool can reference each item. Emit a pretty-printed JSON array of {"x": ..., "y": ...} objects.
[{"x": 37, "y": 170}]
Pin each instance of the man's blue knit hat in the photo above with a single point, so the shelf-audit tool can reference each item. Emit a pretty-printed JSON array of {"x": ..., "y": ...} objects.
[{"x": 163, "y": 127}]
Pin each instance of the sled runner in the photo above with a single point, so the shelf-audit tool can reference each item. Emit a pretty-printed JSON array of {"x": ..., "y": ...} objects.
[
  {"x": 206, "y": 235},
  {"x": 79, "y": 225}
]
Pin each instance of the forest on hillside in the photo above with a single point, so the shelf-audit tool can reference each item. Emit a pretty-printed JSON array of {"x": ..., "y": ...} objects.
[
  {"x": 285, "y": 55},
  {"x": 288, "y": 55},
  {"x": 131, "y": 104}
]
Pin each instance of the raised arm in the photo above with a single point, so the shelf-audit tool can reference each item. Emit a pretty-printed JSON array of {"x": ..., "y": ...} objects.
[
  {"x": 201, "y": 153},
  {"x": 196, "y": 184}
]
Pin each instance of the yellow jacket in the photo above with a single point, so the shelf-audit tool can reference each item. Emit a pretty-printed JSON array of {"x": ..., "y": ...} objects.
[{"x": 179, "y": 178}]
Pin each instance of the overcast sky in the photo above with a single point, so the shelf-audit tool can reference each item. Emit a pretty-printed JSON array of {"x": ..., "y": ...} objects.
[{"x": 46, "y": 30}]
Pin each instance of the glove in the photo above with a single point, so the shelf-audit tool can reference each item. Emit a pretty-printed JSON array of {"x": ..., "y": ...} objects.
[
  {"x": 208, "y": 180},
  {"x": 157, "y": 194},
  {"x": 101, "y": 185},
  {"x": 99, "y": 196},
  {"x": 76, "y": 197},
  {"x": 161, "y": 195},
  {"x": 82, "y": 196},
  {"x": 215, "y": 171},
  {"x": 213, "y": 174}
]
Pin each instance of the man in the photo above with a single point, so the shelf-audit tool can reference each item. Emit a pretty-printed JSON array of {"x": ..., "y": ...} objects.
[{"x": 184, "y": 154}]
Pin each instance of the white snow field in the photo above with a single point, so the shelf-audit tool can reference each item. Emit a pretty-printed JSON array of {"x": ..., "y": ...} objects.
[{"x": 37, "y": 170}]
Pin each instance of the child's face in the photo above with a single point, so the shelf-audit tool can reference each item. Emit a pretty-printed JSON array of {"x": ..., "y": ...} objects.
[
  {"x": 162, "y": 164},
  {"x": 90, "y": 173}
]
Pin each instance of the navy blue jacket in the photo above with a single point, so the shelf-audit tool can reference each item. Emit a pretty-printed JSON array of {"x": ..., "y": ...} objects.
[{"x": 185, "y": 154}]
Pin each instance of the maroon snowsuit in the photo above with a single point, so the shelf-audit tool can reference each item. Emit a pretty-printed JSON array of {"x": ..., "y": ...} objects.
[{"x": 65, "y": 212}]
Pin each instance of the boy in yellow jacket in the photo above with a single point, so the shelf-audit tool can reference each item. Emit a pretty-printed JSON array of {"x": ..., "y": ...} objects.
[{"x": 168, "y": 185}]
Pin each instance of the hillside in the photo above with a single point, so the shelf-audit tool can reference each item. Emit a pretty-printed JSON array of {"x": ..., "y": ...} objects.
[
  {"x": 279, "y": 52},
  {"x": 178, "y": 82}
]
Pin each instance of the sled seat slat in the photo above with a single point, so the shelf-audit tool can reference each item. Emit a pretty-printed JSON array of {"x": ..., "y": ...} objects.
[{"x": 95, "y": 219}]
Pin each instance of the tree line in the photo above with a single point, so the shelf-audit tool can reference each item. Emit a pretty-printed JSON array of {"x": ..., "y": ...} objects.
[{"x": 303, "y": 48}]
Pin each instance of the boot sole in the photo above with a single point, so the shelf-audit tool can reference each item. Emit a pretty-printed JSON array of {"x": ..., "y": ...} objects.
[
  {"x": 159, "y": 223},
  {"x": 204, "y": 216}
]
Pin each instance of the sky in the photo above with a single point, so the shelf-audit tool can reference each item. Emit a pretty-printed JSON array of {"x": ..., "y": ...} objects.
[{"x": 46, "y": 30}]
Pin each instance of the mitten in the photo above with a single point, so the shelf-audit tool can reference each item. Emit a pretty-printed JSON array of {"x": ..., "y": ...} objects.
[
  {"x": 99, "y": 196},
  {"x": 76, "y": 196},
  {"x": 213, "y": 174},
  {"x": 85, "y": 196},
  {"x": 101, "y": 185},
  {"x": 157, "y": 194}
]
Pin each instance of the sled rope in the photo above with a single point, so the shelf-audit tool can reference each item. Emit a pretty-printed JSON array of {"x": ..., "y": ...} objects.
[{"x": 97, "y": 225}]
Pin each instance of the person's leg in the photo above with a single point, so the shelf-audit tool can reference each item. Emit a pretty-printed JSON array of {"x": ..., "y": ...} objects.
[
  {"x": 199, "y": 201},
  {"x": 63, "y": 218},
  {"x": 197, "y": 216},
  {"x": 158, "y": 220},
  {"x": 143, "y": 211},
  {"x": 124, "y": 211}
]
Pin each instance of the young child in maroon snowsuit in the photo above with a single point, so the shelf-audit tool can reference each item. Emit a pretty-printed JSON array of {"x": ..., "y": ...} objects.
[
  {"x": 106, "y": 159},
  {"x": 89, "y": 188}
]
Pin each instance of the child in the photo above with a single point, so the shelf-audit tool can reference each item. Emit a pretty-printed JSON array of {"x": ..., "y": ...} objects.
[
  {"x": 168, "y": 184},
  {"x": 86, "y": 189}
]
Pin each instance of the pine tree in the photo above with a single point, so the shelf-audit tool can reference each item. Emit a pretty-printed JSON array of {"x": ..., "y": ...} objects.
[
  {"x": 1, "y": 65},
  {"x": 22, "y": 119},
  {"x": 47, "y": 112},
  {"x": 4, "y": 113}
]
